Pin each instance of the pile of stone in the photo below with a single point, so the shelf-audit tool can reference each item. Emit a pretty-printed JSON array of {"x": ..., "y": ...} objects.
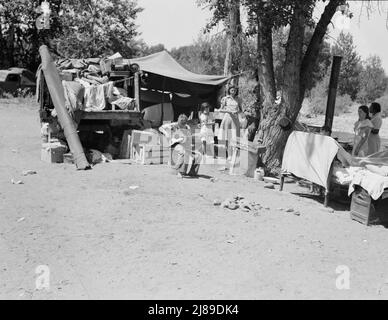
[{"x": 239, "y": 202}]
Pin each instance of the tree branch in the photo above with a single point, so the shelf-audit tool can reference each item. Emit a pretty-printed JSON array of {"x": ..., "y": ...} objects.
[
  {"x": 312, "y": 51},
  {"x": 293, "y": 61},
  {"x": 266, "y": 72}
]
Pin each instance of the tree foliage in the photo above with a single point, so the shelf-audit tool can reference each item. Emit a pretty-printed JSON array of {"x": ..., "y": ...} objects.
[
  {"x": 98, "y": 27},
  {"x": 78, "y": 29},
  {"x": 349, "y": 80},
  {"x": 373, "y": 81},
  {"x": 19, "y": 37}
]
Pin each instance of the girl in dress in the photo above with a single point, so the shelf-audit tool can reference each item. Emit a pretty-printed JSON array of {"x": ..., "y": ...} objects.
[
  {"x": 362, "y": 129},
  {"x": 206, "y": 127},
  {"x": 374, "y": 142},
  {"x": 230, "y": 125}
]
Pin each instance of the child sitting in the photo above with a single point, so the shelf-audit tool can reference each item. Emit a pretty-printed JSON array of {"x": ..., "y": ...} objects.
[{"x": 179, "y": 134}]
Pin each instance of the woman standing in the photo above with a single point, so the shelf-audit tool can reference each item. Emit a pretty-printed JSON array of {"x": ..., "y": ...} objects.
[
  {"x": 362, "y": 129},
  {"x": 374, "y": 142},
  {"x": 230, "y": 125}
]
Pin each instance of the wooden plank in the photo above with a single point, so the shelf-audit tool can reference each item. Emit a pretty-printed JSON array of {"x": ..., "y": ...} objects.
[
  {"x": 111, "y": 115},
  {"x": 136, "y": 88}
]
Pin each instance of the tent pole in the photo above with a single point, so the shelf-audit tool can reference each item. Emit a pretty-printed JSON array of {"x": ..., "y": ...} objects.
[
  {"x": 335, "y": 72},
  {"x": 136, "y": 88},
  {"x": 162, "y": 113}
]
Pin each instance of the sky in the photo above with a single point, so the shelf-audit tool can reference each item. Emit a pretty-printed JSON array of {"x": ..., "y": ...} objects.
[{"x": 176, "y": 23}]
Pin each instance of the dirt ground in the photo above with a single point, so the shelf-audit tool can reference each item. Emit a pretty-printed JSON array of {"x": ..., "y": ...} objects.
[{"x": 166, "y": 239}]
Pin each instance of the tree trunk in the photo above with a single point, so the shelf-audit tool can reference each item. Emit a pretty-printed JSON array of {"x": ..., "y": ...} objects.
[
  {"x": 273, "y": 135},
  {"x": 2, "y": 44},
  {"x": 234, "y": 41},
  {"x": 11, "y": 43},
  {"x": 297, "y": 72}
]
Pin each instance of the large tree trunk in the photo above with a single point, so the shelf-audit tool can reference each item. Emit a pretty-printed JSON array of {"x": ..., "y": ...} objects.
[
  {"x": 233, "y": 41},
  {"x": 297, "y": 70},
  {"x": 274, "y": 136}
]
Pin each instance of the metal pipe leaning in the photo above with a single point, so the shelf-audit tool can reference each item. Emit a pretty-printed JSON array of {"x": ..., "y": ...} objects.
[{"x": 55, "y": 87}]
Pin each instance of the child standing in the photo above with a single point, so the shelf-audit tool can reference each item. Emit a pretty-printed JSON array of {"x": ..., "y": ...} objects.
[{"x": 206, "y": 126}]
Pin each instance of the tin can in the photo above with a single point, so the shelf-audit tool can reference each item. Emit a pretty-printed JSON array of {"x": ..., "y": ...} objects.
[{"x": 259, "y": 174}]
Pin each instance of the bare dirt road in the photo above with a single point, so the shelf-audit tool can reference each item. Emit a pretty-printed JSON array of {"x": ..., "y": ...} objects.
[{"x": 166, "y": 240}]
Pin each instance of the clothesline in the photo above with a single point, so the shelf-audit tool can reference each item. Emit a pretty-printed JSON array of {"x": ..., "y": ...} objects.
[
  {"x": 117, "y": 81},
  {"x": 114, "y": 82}
]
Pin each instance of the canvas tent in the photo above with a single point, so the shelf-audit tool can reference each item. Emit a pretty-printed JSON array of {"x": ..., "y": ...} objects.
[{"x": 166, "y": 74}]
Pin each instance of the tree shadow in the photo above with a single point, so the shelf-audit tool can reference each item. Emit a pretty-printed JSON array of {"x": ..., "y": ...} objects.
[
  {"x": 199, "y": 176},
  {"x": 334, "y": 203}
]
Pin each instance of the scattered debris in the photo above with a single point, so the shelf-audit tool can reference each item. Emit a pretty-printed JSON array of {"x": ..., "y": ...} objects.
[
  {"x": 381, "y": 290},
  {"x": 297, "y": 213},
  {"x": 233, "y": 206},
  {"x": 290, "y": 210},
  {"x": 28, "y": 172},
  {"x": 230, "y": 241},
  {"x": 17, "y": 182},
  {"x": 269, "y": 186},
  {"x": 318, "y": 243},
  {"x": 239, "y": 202},
  {"x": 217, "y": 202},
  {"x": 213, "y": 179},
  {"x": 271, "y": 180},
  {"x": 225, "y": 204},
  {"x": 281, "y": 209}
]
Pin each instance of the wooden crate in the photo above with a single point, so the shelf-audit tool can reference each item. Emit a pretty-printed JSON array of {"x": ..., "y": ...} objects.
[
  {"x": 152, "y": 154},
  {"x": 366, "y": 210}
]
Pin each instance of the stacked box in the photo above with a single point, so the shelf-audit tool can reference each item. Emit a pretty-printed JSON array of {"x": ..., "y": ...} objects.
[
  {"x": 152, "y": 154},
  {"x": 52, "y": 152},
  {"x": 141, "y": 138}
]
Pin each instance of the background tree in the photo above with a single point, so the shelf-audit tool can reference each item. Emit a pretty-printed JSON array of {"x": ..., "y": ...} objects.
[
  {"x": 145, "y": 50},
  {"x": 98, "y": 27},
  {"x": 228, "y": 12},
  {"x": 349, "y": 80},
  {"x": 19, "y": 37},
  {"x": 373, "y": 81},
  {"x": 205, "y": 56}
]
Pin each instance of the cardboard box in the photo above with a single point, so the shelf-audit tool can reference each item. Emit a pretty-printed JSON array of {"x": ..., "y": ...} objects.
[
  {"x": 152, "y": 154},
  {"x": 52, "y": 153},
  {"x": 125, "y": 148},
  {"x": 141, "y": 138}
]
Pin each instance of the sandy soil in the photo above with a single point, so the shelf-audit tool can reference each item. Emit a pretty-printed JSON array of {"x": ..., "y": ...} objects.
[{"x": 166, "y": 239}]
